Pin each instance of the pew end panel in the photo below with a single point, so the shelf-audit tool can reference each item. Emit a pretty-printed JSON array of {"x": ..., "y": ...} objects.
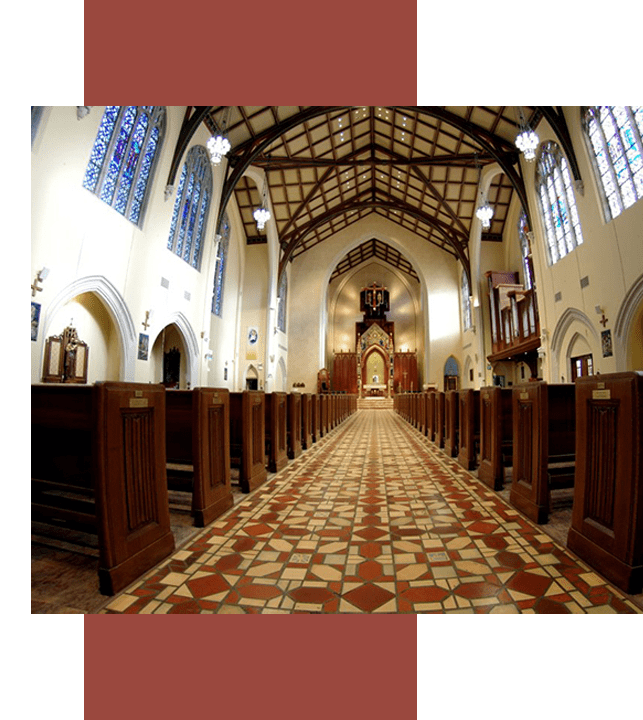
[
  {"x": 607, "y": 516},
  {"x": 247, "y": 437},
  {"x": 131, "y": 486},
  {"x": 496, "y": 435}
]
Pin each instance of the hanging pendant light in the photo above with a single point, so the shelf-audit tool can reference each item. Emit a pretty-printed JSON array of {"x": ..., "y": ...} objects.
[
  {"x": 218, "y": 144},
  {"x": 526, "y": 140},
  {"x": 262, "y": 214},
  {"x": 484, "y": 211}
]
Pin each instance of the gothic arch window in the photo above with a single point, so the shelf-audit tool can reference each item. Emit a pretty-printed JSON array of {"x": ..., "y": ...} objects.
[
  {"x": 465, "y": 296},
  {"x": 191, "y": 207},
  {"x": 219, "y": 271},
  {"x": 36, "y": 117},
  {"x": 281, "y": 303},
  {"x": 525, "y": 252},
  {"x": 557, "y": 203},
  {"x": 615, "y": 138},
  {"x": 124, "y": 155}
]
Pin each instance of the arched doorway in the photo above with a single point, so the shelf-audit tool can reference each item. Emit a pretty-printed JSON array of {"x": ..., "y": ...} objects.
[{"x": 169, "y": 358}]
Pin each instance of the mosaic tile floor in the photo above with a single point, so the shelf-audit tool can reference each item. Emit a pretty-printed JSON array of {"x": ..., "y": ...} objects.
[{"x": 372, "y": 519}]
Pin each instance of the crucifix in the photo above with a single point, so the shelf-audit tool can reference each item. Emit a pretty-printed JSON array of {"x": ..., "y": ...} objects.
[
  {"x": 405, "y": 374},
  {"x": 603, "y": 321},
  {"x": 145, "y": 323},
  {"x": 41, "y": 275}
]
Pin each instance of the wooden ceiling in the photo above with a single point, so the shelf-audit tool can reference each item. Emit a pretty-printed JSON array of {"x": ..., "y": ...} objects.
[{"x": 329, "y": 167}]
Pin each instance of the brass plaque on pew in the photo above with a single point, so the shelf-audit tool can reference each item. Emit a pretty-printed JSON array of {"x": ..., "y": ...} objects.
[
  {"x": 524, "y": 396},
  {"x": 138, "y": 402},
  {"x": 485, "y": 396},
  {"x": 216, "y": 399},
  {"x": 601, "y": 394}
]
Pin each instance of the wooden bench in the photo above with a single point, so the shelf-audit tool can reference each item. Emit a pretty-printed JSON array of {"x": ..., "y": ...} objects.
[
  {"x": 315, "y": 409},
  {"x": 439, "y": 429},
  {"x": 276, "y": 431},
  {"x": 98, "y": 464},
  {"x": 496, "y": 435},
  {"x": 247, "y": 437},
  {"x": 198, "y": 449},
  {"x": 607, "y": 516},
  {"x": 323, "y": 414},
  {"x": 430, "y": 415},
  {"x": 543, "y": 445},
  {"x": 293, "y": 425},
  {"x": 306, "y": 421},
  {"x": 451, "y": 422},
  {"x": 469, "y": 428}
]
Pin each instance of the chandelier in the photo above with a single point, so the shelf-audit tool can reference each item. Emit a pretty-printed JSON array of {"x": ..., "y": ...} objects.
[
  {"x": 218, "y": 147},
  {"x": 527, "y": 140},
  {"x": 218, "y": 144},
  {"x": 484, "y": 211},
  {"x": 261, "y": 214}
]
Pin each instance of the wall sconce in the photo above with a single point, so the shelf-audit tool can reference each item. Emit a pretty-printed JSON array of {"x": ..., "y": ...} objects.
[
  {"x": 599, "y": 311},
  {"x": 208, "y": 354},
  {"x": 40, "y": 276}
]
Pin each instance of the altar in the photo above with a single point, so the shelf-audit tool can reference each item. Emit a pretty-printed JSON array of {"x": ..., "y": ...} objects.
[{"x": 375, "y": 390}]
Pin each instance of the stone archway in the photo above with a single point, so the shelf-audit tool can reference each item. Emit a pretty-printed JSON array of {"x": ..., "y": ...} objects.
[{"x": 375, "y": 370}]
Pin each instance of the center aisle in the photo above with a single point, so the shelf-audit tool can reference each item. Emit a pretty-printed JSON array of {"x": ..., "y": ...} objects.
[{"x": 372, "y": 519}]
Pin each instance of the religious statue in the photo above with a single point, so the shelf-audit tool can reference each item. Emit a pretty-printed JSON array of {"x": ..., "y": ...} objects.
[{"x": 376, "y": 379}]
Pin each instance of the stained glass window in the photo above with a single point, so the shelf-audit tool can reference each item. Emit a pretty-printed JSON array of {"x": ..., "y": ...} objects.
[
  {"x": 557, "y": 202},
  {"x": 465, "y": 293},
  {"x": 123, "y": 157},
  {"x": 614, "y": 135},
  {"x": 219, "y": 271},
  {"x": 191, "y": 207},
  {"x": 525, "y": 252},
  {"x": 36, "y": 115},
  {"x": 281, "y": 303}
]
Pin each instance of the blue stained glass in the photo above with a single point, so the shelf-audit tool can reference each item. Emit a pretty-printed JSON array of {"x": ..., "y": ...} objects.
[
  {"x": 177, "y": 205},
  {"x": 194, "y": 207},
  {"x": 199, "y": 233},
  {"x": 185, "y": 215},
  {"x": 114, "y": 167},
  {"x": 101, "y": 143}
]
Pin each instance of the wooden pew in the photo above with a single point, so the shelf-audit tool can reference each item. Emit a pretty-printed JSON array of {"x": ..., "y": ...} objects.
[
  {"x": 451, "y": 422},
  {"x": 315, "y": 406},
  {"x": 276, "y": 431},
  {"x": 543, "y": 445},
  {"x": 98, "y": 463},
  {"x": 430, "y": 415},
  {"x": 607, "y": 517},
  {"x": 247, "y": 437},
  {"x": 198, "y": 449},
  {"x": 293, "y": 425},
  {"x": 306, "y": 421},
  {"x": 469, "y": 428},
  {"x": 439, "y": 419},
  {"x": 323, "y": 414},
  {"x": 496, "y": 435},
  {"x": 421, "y": 412}
]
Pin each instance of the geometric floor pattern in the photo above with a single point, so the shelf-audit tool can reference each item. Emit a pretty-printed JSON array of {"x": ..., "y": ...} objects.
[{"x": 372, "y": 519}]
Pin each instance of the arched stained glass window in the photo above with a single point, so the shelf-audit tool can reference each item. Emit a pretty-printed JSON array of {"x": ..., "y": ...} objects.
[
  {"x": 465, "y": 296},
  {"x": 615, "y": 139},
  {"x": 191, "y": 207},
  {"x": 123, "y": 158},
  {"x": 557, "y": 202},
  {"x": 281, "y": 303},
  {"x": 525, "y": 252},
  {"x": 219, "y": 271}
]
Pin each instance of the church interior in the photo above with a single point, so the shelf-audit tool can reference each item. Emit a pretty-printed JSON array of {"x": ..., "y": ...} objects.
[{"x": 315, "y": 359}]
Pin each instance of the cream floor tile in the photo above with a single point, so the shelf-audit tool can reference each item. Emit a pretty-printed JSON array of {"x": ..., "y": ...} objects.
[
  {"x": 121, "y": 602},
  {"x": 174, "y": 578}
]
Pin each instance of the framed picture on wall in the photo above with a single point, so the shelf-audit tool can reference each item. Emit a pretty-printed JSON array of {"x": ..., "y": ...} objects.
[
  {"x": 143, "y": 346},
  {"x": 606, "y": 342},
  {"x": 35, "y": 320}
]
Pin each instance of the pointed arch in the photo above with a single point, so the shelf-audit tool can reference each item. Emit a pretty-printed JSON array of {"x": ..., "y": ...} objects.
[
  {"x": 117, "y": 309},
  {"x": 559, "y": 345},
  {"x": 625, "y": 319},
  {"x": 189, "y": 340}
]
